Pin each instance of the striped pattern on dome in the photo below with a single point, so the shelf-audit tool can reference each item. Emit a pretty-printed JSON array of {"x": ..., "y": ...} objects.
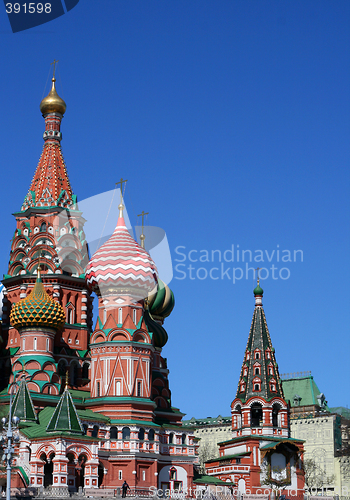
[{"x": 121, "y": 263}]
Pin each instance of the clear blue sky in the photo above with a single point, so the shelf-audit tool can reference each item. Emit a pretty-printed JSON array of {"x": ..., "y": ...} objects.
[{"x": 230, "y": 121}]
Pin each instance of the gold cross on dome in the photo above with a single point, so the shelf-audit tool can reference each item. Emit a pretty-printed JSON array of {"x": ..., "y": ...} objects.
[
  {"x": 142, "y": 214},
  {"x": 54, "y": 67},
  {"x": 121, "y": 182}
]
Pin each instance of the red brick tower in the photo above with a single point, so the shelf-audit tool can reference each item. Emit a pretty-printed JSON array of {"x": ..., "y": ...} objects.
[{"x": 50, "y": 229}]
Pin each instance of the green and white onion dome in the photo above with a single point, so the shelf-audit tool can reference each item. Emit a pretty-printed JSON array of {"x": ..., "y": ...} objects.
[{"x": 161, "y": 302}]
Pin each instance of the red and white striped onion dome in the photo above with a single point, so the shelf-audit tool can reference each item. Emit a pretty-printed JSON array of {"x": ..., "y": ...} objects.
[{"x": 121, "y": 265}]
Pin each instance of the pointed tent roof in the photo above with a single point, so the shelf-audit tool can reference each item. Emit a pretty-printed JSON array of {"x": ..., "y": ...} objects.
[
  {"x": 22, "y": 405},
  {"x": 259, "y": 340},
  {"x": 50, "y": 185},
  {"x": 65, "y": 417}
]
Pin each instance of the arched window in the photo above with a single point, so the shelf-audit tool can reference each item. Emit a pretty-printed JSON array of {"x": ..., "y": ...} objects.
[
  {"x": 113, "y": 434},
  {"x": 257, "y": 355},
  {"x": 126, "y": 432},
  {"x": 256, "y": 415},
  {"x": 85, "y": 427},
  {"x": 48, "y": 345},
  {"x": 43, "y": 227},
  {"x": 172, "y": 474},
  {"x": 139, "y": 388},
  {"x": 104, "y": 315},
  {"x": 95, "y": 430},
  {"x": 141, "y": 434},
  {"x": 74, "y": 373},
  {"x": 85, "y": 371},
  {"x": 24, "y": 344},
  {"x": 171, "y": 438},
  {"x": 34, "y": 344},
  {"x": 118, "y": 388},
  {"x": 151, "y": 435},
  {"x": 70, "y": 314},
  {"x": 257, "y": 371},
  {"x": 275, "y": 410},
  {"x": 98, "y": 389},
  {"x": 256, "y": 387},
  {"x": 134, "y": 316},
  {"x": 183, "y": 439},
  {"x": 239, "y": 417},
  {"x": 120, "y": 315}
]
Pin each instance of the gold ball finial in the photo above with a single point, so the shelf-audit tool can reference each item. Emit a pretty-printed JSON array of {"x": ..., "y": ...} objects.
[{"x": 53, "y": 103}]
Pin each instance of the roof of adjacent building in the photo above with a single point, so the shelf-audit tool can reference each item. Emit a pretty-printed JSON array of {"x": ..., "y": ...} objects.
[
  {"x": 341, "y": 410},
  {"x": 303, "y": 391},
  {"x": 197, "y": 422}
]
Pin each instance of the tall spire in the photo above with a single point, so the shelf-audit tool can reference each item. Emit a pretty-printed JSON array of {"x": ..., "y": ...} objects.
[
  {"x": 259, "y": 373},
  {"x": 50, "y": 185}
]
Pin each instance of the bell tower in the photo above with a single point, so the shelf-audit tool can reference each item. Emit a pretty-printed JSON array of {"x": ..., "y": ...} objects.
[{"x": 259, "y": 407}]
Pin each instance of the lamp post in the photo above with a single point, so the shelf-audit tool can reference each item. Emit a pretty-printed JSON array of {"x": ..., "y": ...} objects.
[{"x": 10, "y": 425}]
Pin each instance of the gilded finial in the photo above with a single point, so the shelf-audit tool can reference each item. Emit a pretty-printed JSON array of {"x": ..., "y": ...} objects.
[
  {"x": 257, "y": 270},
  {"x": 142, "y": 236},
  {"x": 53, "y": 103},
  {"x": 121, "y": 206}
]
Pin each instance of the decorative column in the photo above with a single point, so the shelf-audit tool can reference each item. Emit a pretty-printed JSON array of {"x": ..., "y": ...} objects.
[{"x": 60, "y": 470}]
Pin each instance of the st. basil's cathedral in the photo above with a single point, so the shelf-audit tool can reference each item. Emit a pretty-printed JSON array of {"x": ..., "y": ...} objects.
[{"x": 94, "y": 402}]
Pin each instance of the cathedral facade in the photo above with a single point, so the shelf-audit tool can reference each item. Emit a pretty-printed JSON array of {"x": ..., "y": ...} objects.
[{"x": 94, "y": 402}]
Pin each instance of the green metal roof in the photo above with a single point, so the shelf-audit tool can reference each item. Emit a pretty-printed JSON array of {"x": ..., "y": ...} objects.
[
  {"x": 341, "y": 410},
  {"x": 204, "y": 479},
  {"x": 196, "y": 422},
  {"x": 65, "y": 417},
  {"x": 23, "y": 405},
  {"x": 228, "y": 457},
  {"x": 305, "y": 388}
]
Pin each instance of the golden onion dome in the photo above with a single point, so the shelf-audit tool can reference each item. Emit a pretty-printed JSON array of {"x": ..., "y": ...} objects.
[
  {"x": 53, "y": 103},
  {"x": 161, "y": 301},
  {"x": 38, "y": 309}
]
